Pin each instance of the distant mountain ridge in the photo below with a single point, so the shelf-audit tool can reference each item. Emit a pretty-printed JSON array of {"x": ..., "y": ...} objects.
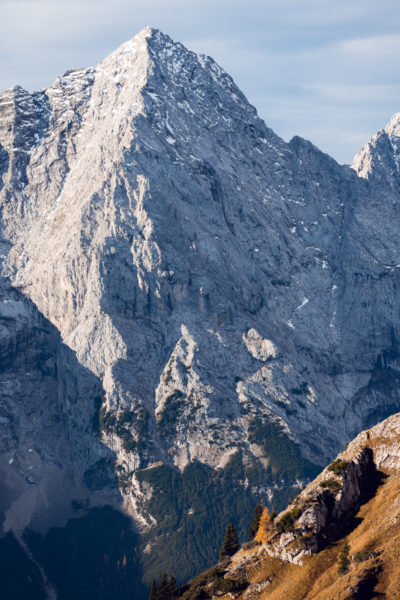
[{"x": 228, "y": 302}]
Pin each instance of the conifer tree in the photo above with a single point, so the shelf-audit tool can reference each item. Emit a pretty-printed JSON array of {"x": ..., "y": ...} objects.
[
  {"x": 230, "y": 545},
  {"x": 343, "y": 558},
  {"x": 153, "y": 591},
  {"x": 163, "y": 588},
  {"x": 172, "y": 586},
  {"x": 266, "y": 528},
  {"x": 256, "y": 519}
]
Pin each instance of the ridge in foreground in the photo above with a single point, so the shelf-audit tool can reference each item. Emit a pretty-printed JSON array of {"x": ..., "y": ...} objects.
[{"x": 353, "y": 504}]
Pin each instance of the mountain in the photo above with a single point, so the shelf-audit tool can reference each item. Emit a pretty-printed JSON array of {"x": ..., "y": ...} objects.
[
  {"x": 379, "y": 160},
  {"x": 350, "y": 510},
  {"x": 196, "y": 315}
]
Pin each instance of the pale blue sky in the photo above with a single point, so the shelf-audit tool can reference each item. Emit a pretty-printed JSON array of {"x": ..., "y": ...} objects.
[{"x": 323, "y": 69}]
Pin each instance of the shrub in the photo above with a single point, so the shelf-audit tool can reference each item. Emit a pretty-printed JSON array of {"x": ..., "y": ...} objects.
[
  {"x": 124, "y": 480},
  {"x": 172, "y": 409},
  {"x": 227, "y": 585},
  {"x": 338, "y": 467},
  {"x": 362, "y": 555},
  {"x": 302, "y": 390},
  {"x": 126, "y": 417},
  {"x": 212, "y": 583},
  {"x": 196, "y": 588},
  {"x": 302, "y": 541},
  {"x": 286, "y": 522},
  {"x": 331, "y": 484}
]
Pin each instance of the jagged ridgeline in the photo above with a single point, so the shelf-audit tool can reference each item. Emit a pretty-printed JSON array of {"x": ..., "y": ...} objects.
[{"x": 195, "y": 315}]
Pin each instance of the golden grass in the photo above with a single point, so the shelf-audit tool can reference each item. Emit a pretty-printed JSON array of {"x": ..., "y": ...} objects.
[{"x": 318, "y": 578}]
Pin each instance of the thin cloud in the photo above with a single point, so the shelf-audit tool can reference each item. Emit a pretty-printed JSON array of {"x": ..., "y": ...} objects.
[
  {"x": 355, "y": 93},
  {"x": 377, "y": 43}
]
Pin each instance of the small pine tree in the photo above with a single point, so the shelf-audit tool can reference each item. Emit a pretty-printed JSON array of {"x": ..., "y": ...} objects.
[
  {"x": 163, "y": 592},
  {"x": 153, "y": 591},
  {"x": 343, "y": 558},
  {"x": 256, "y": 519},
  {"x": 172, "y": 586},
  {"x": 230, "y": 545}
]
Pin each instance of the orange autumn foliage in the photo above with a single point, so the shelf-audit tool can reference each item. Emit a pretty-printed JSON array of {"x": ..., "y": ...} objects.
[{"x": 266, "y": 528}]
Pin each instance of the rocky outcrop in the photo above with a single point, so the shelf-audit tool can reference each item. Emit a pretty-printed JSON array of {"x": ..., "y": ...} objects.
[
  {"x": 325, "y": 509},
  {"x": 321, "y": 514}
]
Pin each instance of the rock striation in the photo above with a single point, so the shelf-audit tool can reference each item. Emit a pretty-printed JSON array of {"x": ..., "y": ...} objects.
[{"x": 218, "y": 297}]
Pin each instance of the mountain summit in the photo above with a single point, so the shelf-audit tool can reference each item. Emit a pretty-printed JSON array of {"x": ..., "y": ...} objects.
[
  {"x": 379, "y": 159},
  {"x": 198, "y": 312}
]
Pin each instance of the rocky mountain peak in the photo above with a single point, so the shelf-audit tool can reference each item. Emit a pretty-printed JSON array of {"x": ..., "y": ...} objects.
[
  {"x": 393, "y": 127},
  {"x": 379, "y": 160},
  {"x": 234, "y": 297}
]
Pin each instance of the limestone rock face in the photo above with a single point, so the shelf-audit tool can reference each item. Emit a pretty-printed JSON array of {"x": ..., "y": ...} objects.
[
  {"x": 379, "y": 160},
  {"x": 208, "y": 276},
  {"x": 49, "y": 437},
  {"x": 325, "y": 510}
]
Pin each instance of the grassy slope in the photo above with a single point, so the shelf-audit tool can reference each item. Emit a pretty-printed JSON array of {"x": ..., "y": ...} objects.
[{"x": 378, "y": 530}]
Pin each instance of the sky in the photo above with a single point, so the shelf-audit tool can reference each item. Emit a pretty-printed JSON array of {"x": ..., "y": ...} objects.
[{"x": 326, "y": 70}]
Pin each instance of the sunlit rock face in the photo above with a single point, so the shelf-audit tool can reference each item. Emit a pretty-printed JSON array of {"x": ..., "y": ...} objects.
[
  {"x": 379, "y": 160},
  {"x": 226, "y": 294}
]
